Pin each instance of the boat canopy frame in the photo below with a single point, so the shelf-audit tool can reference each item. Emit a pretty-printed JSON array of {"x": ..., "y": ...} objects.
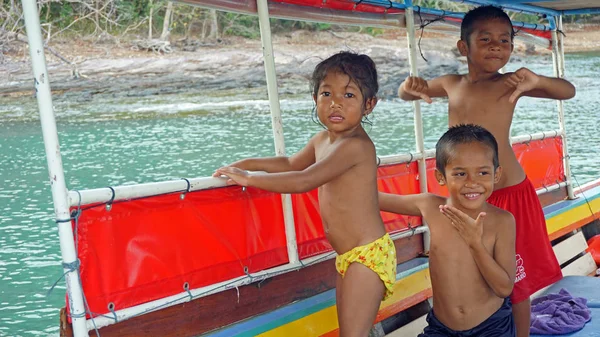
[{"x": 63, "y": 199}]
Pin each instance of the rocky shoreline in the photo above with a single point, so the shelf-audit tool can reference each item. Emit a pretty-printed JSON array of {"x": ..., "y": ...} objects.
[{"x": 116, "y": 70}]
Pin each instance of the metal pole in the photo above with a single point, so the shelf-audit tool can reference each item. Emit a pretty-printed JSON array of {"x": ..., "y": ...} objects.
[
  {"x": 418, "y": 121},
  {"x": 267, "y": 45},
  {"x": 559, "y": 71},
  {"x": 55, "y": 168}
]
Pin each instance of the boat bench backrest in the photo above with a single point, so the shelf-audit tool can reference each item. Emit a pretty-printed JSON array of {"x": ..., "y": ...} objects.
[{"x": 572, "y": 256}]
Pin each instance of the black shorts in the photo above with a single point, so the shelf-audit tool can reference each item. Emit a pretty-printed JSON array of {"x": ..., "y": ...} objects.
[{"x": 500, "y": 324}]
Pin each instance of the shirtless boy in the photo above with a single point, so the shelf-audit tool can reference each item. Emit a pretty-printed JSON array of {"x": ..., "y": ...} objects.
[
  {"x": 485, "y": 97},
  {"x": 472, "y": 256}
]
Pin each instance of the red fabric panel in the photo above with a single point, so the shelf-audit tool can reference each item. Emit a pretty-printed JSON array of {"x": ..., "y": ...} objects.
[
  {"x": 545, "y": 34},
  {"x": 542, "y": 161},
  {"x": 310, "y": 235},
  {"x": 349, "y": 5},
  {"x": 145, "y": 249},
  {"x": 399, "y": 179}
]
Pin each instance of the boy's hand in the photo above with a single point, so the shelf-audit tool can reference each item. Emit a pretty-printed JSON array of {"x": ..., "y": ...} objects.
[
  {"x": 470, "y": 230},
  {"x": 522, "y": 80},
  {"x": 417, "y": 86},
  {"x": 235, "y": 175}
]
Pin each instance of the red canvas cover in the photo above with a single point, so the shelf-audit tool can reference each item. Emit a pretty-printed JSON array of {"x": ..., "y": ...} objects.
[{"x": 145, "y": 249}]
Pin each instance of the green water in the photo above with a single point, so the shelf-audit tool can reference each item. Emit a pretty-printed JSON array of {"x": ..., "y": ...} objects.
[{"x": 134, "y": 140}]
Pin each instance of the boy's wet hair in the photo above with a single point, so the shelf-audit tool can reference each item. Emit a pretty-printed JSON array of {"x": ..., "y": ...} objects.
[
  {"x": 359, "y": 67},
  {"x": 483, "y": 13},
  {"x": 463, "y": 134}
]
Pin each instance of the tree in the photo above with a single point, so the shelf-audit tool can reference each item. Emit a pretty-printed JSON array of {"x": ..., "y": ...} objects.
[
  {"x": 214, "y": 25},
  {"x": 150, "y": 20},
  {"x": 167, "y": 21}
]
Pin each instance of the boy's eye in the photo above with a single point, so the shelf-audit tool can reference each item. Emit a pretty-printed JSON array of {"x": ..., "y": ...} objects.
[
  {"x": 325, "y": 93},
  {"x": 459, "y": 174},
  {"x": 485, "y": 39},
  {"x": 349, "y": 95},
  {"x": 505, "y": 41},
  {"x": 484, "y": 173}
]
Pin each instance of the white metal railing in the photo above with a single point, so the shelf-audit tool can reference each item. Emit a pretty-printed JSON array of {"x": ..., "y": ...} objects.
[
  {"x": 128, "y": 192},
  {"x": 535, "y": 136},
  {"x": 553, "y": 188},
  {"x": 558, "y": 58}
]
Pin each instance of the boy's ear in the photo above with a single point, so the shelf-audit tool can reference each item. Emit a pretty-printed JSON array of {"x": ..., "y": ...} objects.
[
  {"x": 315, "y": 98},
  {"x": 370, "y": 105},
  {"x": 463, "y": 49},
  {"x": 439, "y": 176},
  {"x": 497, "y": 174}
]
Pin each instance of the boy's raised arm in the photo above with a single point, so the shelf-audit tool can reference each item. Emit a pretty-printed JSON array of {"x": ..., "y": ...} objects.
[
  {"x": 411, "y": 204},
  {"x": 414, "y": 88},
  {"x": 528, "y": 83},
  {"x": 497, "y": 270}
]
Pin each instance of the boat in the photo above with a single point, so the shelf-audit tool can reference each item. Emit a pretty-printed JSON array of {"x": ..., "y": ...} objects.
[{"x": 194, "y": 257}]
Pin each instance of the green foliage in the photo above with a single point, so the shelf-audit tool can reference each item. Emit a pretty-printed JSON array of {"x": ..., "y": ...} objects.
[
  {"x": 282, "y": 26},
  {"x": 132, "y": 16},
  {"x": 239, "y": 25},
  {"x": 374, "y": 31}
]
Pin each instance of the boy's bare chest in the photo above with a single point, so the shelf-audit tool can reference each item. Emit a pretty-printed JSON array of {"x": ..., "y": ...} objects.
[
  {"x": 485, "y": 105},
  {"x": 446, "y": 240},
  {"x": 344, "y": 181}
]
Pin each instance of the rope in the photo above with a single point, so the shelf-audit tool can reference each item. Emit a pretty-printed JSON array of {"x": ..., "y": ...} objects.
[
  {"x": 584, "y": 197},
  {"x": 422, "y": 27},
  {"x": 70, "y": 267}
]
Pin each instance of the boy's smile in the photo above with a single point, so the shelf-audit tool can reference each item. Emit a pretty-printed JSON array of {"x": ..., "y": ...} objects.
[{"x": 470, "y": 176}]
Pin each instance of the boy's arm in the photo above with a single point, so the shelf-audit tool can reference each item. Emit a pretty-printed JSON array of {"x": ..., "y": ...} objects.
[
  {"x": 404, "y": 204},
  {"x": 297, "y": 162},
  {"x": 345, "y": 156},
  {"x": 414, "y": 88},
  {"x": 504, "y": 249},
  {"x": 528, "y": 83},
  {"x": 497, "y": 270}
]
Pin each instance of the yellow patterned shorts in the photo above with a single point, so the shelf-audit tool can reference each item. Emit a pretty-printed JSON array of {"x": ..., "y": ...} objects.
[{"x": 379, "y": 256}]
